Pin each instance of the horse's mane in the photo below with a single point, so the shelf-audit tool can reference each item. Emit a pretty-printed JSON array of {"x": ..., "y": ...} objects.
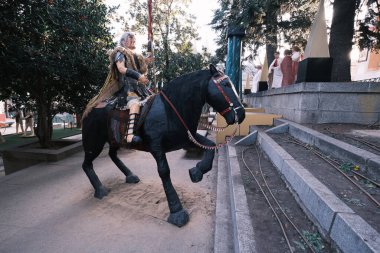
[
  {"x": 186, "y": 83},
  {"x": 188, "y": 94}
]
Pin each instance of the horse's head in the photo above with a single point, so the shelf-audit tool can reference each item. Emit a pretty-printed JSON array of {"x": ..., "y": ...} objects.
[{"x": 222, "y": 96}]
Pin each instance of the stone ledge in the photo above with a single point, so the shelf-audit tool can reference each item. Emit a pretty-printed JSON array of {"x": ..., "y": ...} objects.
[
  {"x": 316, "y": 199},
  {"x": 22, "y": 157},
  {"x": 325, "y": 87},
  {"x": 352, "y": 102},
  {"x": 243, "y": 231},
  {"x": 223, "y": 238},
  {"x": 352, "y": 234},
  {"x": 315, "y": 196},
  {"x": 327, "y": 144}
]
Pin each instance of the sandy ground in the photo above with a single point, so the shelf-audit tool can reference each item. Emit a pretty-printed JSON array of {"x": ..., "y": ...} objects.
[{"x": 50, "y": 208}]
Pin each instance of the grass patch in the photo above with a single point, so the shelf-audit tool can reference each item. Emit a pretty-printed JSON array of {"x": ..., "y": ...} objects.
[{"x": 14, "y": 140}]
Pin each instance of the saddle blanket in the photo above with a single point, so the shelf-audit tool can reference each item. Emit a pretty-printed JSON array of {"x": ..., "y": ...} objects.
[
  {"x": 118, "y": 123},
  {"x": 117, "y": 126}
]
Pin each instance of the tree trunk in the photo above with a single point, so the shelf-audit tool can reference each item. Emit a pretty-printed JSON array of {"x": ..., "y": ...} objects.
[
  {"x": 6, "y": 109},
  {"x": 166, "y": 54},
  {"x": 44, "y": 128},
  {"x": 78, "y": 119},
  {"x": 342, "y": 32},
  {"x": 270, "y": 53},
  {"x": 271, "y": 35}
]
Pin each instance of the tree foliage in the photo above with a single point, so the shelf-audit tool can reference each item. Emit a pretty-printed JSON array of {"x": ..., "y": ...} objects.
[
  {"x": 369, "y": 27},
  {"x": 53, "y": 55},
  {"x": 266, "y": 22},
  {"x": 174, "y": 31}
]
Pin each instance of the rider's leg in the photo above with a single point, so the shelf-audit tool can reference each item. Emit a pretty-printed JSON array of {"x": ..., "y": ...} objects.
[{"x": 134, "y": 110}]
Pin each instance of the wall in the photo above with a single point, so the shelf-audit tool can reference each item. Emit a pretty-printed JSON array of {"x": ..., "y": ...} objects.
[{"x": 352, "y": 102}]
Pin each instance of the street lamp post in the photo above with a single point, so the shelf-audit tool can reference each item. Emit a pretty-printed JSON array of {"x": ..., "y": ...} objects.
[{"x": 233, "y": 64}]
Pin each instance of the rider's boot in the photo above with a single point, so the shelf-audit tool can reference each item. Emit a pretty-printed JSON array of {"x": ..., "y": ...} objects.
[{"x": 130, "y": 138}]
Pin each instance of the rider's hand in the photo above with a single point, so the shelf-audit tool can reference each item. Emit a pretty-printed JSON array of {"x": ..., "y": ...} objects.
[{"x": 143, "y": 79}]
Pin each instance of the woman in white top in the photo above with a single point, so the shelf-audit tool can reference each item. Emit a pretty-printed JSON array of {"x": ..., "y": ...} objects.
[
  {"x": 275, "y": 71},
  {"x": 296, "y": 58},
  {"x": 256, "y": 79}
]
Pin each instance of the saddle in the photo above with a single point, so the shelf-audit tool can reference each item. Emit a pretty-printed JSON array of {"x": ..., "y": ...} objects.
[{"x": 117, "y": 122}]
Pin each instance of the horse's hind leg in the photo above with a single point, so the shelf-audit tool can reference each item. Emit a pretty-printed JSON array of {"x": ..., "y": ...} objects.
[
  {"x": 205, "y": 165},
  {"x": 100, "y": 190},
  {"x": 130, "y": 177}
]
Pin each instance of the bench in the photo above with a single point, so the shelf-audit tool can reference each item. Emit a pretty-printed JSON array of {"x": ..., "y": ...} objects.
[{"x": 6, "y": 124}]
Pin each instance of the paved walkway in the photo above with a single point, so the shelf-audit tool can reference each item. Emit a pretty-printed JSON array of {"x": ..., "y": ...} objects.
[{"x": 50, "y": 208}]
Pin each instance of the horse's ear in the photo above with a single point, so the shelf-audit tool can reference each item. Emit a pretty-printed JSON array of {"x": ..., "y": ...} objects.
[{"x": 213, "y": 70}]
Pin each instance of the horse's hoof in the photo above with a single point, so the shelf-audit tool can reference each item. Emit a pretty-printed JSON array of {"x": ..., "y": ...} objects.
[
  {"x": 179, "y": 218},
  {"x": 196, "y": 175},
  {"x": 102, "y": 192},
  {"x": 132, "y": 179}
]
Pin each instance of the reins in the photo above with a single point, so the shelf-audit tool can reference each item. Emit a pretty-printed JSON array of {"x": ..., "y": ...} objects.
[{"x": 191, "y": 137}]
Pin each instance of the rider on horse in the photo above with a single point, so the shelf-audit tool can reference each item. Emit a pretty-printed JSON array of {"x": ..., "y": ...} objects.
[
  {"x": 128, "y": 61},
  {"x": 126, "y": 80}
]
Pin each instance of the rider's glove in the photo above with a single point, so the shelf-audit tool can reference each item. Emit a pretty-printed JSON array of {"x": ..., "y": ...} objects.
[{"x": 134, "y": 74}]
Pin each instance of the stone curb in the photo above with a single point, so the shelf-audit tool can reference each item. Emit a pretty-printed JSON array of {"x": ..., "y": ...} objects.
[
  {"x": 327, "y": 210},
  {"x": 327, "y": 144},
  {"x": 280, "y": 129},
  {"x": 233, "y": 229},
  {"x": 243, "y": 230},
  {"x": 354, "y": 234},
  {"x": 223, "y": 238},
  {"x": 248, "y": 140}
]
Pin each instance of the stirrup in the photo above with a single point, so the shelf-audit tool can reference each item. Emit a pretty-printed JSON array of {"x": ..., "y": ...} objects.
[{"x": 130, "y": 131}]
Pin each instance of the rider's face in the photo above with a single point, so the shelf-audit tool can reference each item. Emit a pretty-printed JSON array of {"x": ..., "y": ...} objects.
[{"x": 130, "y": 43}]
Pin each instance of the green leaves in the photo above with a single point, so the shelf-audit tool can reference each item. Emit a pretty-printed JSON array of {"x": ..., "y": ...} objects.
[
  {"x": 53, "y": 52},
  {"x": 173, "y": 31},
  {"x": 264, "y": 21},
  {"x": 369, "y": 27}
]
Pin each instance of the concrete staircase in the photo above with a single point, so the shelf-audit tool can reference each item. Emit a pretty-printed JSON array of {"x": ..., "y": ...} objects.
[{"x": 336, "y": 221}]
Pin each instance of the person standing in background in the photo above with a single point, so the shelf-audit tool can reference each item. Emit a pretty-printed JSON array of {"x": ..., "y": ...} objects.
[
  {"x": 256, "y": 79},
  {"x": 296, "y": 58},
  {"x": 286, "y": 69},
  {"x": 29, "y": 122},
  {"x": 275, "y": 72},
  {"x": 19, "y": 123}
]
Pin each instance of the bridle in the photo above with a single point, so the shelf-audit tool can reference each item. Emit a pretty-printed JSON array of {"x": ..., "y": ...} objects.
[
  {"x": 230, "y": 104},
  {"x": 230, "y": 107}
]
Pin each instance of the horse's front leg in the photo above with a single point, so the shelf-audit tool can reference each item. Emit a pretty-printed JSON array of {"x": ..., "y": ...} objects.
[
  {"x": 205, "y": 165},
  {"x": 178, "y": 216}
]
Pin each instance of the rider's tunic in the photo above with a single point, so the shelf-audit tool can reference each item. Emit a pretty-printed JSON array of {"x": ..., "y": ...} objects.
[{"x": 126, "y": 84}]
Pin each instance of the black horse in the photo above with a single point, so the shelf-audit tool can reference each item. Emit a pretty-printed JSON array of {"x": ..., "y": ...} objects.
[{"x": 164, "y": 130}]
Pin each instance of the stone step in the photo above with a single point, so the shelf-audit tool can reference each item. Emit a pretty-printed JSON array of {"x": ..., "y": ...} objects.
[
  {"x": 233, "y": 231},
  {"x": 329, "y": 145},
  {"x": 335, "y": 220},
  {"x": 223, "y": 237}
]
